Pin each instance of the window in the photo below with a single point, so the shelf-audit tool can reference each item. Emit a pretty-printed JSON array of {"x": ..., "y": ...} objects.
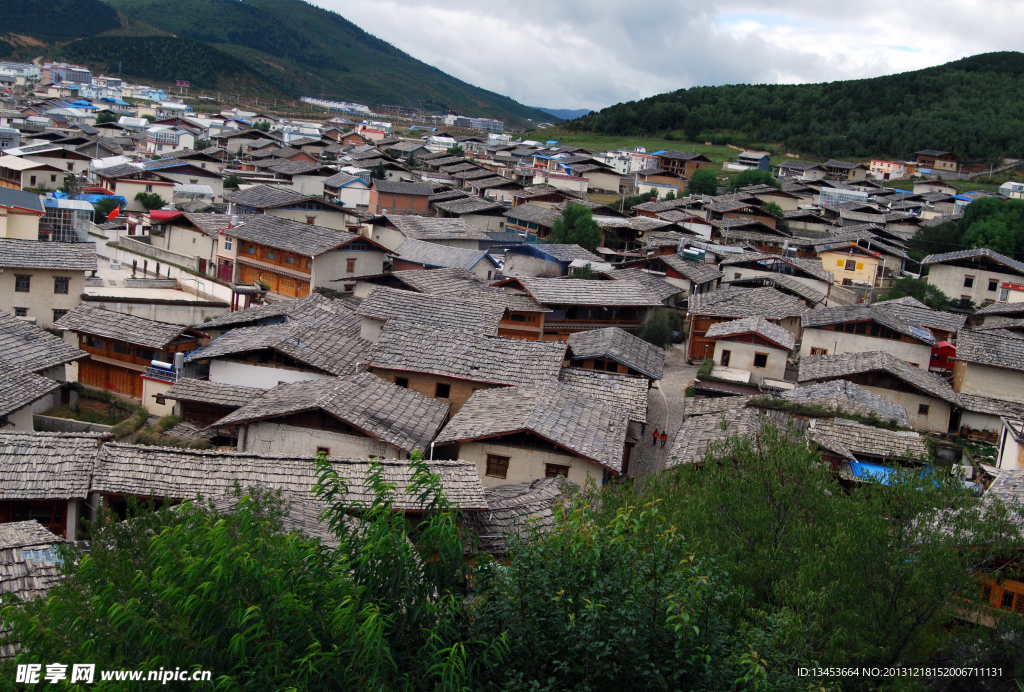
[
  {"x": 968, "y": 282},
  {"x": 53, "y": 178},
  {"x": 993, "y": 284},
  {"x": 760, "y": 360},
  {"x": 227, "y": 243},
  {"x": 324, "y": 450},
  {"x": 922, "y": 409},
  {"x": 310, "y": 220},
  {"x": 21, "y": 283},
  {"x": 149, "y": 188},
  {"x": 402, "y": 382},
  {"x": 847, "y": 282},
  {"x": 21, "y": 312},
  {"x": 193, "y": 181},
  {"x": 61, "y": 284},
  {"x": 1004, "y": 294},
  {"x": 737, "y": 275},
  {"x": 57, "y": 314},
  {"x": 851, "y": 265},
  {"x": 611, "y": 366},
  {"x": 1008, "y": 599},
  {"x": 350, "y": 266},
  {"x": 120, "y": 348},
  {"x": 161, "y": 399},
  {"x": 32, "y": 180},
  {"x": 442, "y": 391},
  {"x": 552, "y": 470},
  {"x": 497, "y": 467},
  {"x": 147, "y": 354},
  {"x": 598, "y": 364},
  {"x": 289, "y": 260},
  {"x": 251, "y": 249},
  {"x": 819, "y": 351},
  {"x": 725, "y": 358},
  {"x": 271, "y": 254}
]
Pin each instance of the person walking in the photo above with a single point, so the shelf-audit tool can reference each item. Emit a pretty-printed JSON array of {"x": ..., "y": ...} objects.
[
  {"x": 654, "y": 437},
  {"x": 664, "y": 438}
]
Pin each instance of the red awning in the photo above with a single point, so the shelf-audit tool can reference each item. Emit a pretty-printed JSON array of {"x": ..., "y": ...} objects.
[{"x": 164, "y": 214}]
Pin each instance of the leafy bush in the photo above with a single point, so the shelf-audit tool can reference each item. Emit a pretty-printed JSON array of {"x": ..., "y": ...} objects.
[
  {"x": 657, "y": 328},
  {"x": 576, "y": 225},
  {"x": 703, "y": 182},
  {"x": 150, "y": 200},
  {"x": 918, "y": 289},
  {"x": 104, "y": 207},
  {"x": 753, "y": 176},
  {"x": 706, "y": 367}
]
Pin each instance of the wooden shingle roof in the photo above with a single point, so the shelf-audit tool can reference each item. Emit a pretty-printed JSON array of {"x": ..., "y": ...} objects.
[
  {"x": 849, "y": 439},
  {"x": 36, "y": 254},
  {"x": 990, "y": 348},
  {"x": 31, "y": 348},
  {"x": 443, "y": 256},
  {"x": 586, "y": 292},
  {"x": 849, "y": 397},
  {"x": 215, "y": 393},
  {"x": 831, "y": 367},
  {"x": 620, "y": 346},
  {"x": 184, "y": 474},
  {"x": 20, "y": 388},
  {"x": 514, "y": 508},
  {"x": 441, "y": 312},
  {"x": 434, "y": 228},
  {"x": 46, "y": 466},
  {"x": 754, "y": 325},
  {"x": 553, "y": 411},
  {"x": 292, "y": 236},
  {"x": 746, "y": 302},
  {"x": 619, "y": 391},
  {"x": 697, "y": 273},
  {"x": 115, "y": 325}
]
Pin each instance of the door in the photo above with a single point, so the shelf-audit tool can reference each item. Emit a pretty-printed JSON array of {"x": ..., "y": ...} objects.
[
  {"x": 226, "y": 272},
  {"x": 202, "y": 266}
]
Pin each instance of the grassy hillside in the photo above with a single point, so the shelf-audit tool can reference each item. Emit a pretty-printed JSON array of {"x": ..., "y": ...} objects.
[
  {"x": 972, "y": 106},
  {"x": 309, "y": 51}
]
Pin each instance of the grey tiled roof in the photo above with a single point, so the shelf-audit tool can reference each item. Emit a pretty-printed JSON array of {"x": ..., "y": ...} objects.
[
  {"x": 434, "y": 228},
  {"x": 747, "y": 302},
  {"x": 434, "y": 255},
  {"x": 565, "y": 252},
  {"x": 285, "y": 234},
  {"x": 850, "y": 439},
  {"x": 445, "y": 280},
  {"x": 1008, "y": 262},
  {"x": 115, "y": 325},
  {"x": 31, "y": 348},
  {"x": 465, "y": 355},
  {"x": 20, "y": 388},
  {"x": 339, "y": 179},
  {"x": 1008, "y": 486},
  {"x": 918, "y": 314},
  {"x": 619, "y": 391},
  {"x": 513, "y": 508},
  {"x": 620, "y": 346},
  {"x": 652, "y": 282},
  {"x": 264, "y": 196},
  {"x": 1001, "y": 309},
  {"x": 467, "y": 205},
  {"x": 311, "y": 308},
  {"x": 534, "y": 213},
  {"x": 25, "y": 579},
  {"x": 697, "y": 433},
  {"x": 210, "y": 224},
  {"x": 993, "y": 407},
  {"x": 782, "y": 282},
  {"x": 698, "y": 273},
  {"x": 990, "y": 348},
  {"x": 849, "y": 397},
  {"x": 286, "y": 167},
  {"x": 852, "y": 313},
  {"x": 41, "y": 254},
  {"x": 833, "y": 367},
  {"x": 812, "y": 267},
  {"x": 391, "y": 187},
  {"x": 558, "y": 413},
  {"x": 181, "y": 473},
  {"x": 23, "y": 200},
  {"x": 754, "y": 325},
  {"x": 216, "y": 393},
  {"x": 704, "y": 407},
  {"x": 432, "y": 311},
  {"x": 39, "y": 466},
  {"x": 396, "y": 415},
  {"x": 588, "y": 292}
]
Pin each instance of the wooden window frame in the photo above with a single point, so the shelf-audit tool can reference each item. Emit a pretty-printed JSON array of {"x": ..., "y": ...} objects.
[
  {"x": 553, "y": 470},
  {"x": 497, "y": 466},
  {"x": 760, "y": 355},
  {"x": 923, "y": 409},
  {"x": 725, "y": 358}
]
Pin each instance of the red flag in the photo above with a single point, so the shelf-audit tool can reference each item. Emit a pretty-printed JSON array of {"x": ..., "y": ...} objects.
[{"x": 114, "y": 213}]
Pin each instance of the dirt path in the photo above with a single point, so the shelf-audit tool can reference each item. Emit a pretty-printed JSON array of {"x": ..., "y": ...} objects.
[{"x": 664, "y": 411}]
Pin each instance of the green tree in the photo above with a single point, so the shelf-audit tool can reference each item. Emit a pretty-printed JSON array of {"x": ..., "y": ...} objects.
[
  {"x": 379, "y": 172},
  {"x": 150, "y": 118},
  {"x": 576, "y": 225},
  {"x": 919, "y": 289},
  {"x": 456, "y": 150},
  {"x": 105, "y": 117},
  {"x": 262, "y": 126},
  {"x": 232, "y": 182},
  {"x": 202, "y": 144},
  {"x": 703, "y": 182},
  {"x": 753, "y": 176},
  {"x": 72, "y": 186},
  {"x": 585, "y": 272},
  {"x": 657, "y": 328},
  {"x": 776, "y": 211},
  {"x": 150, "y": 200},
  {"x": 104, "y": 206}
]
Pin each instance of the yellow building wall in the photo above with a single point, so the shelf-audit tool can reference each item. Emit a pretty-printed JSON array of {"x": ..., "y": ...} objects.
[
  {"x": 835, "y": 262},
  {"x": 527, "y": 464}
]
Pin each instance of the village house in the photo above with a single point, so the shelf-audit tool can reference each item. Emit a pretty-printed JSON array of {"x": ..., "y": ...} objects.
[
  {"x": 347, "y": 190},
  {"x": 845, "y": 170},
  {"x": 383, "y": 304},
  {"x": 622, "y": 392},
  {"x": 582, "y": 304},
  {"x": 190, "y": 174},
  {"x": 927, "y": 397},
  {"x": 20, "y": 173},
  {"x": 30, "y": 349},
  {"x": 513, "y": 509},
  {"x": 545, "y": 259},
  {"x": 56, "y": 155},
  {"x": 20, "y": 393},
  {"x": 614, "y": 350},
  {"x": 387, "y": 197},
  {"x": 129, "y": 180},
  {"x": 485, "y": 214},
  {"x": 707, "y": 309},
  {"x": 865, "y": 328},
  {"x": 883, "y": 169},
  {"x": 681, "y": 164},
  {"x": 861, "y": 453},
  {"x": 806, "y": 271},
  {"x": 203, "y": 402},
  {"x": 518, "y": 434},
  {"x": 978, "y": 275},
  {"x": 841, "y": 395},
  {"x": 753, "y": 344},
  {"x": 393, "y": 230},
  {"x": 289, "y": 204},
  {"x": 45, "y": 477},
  {"x": 989, "y": 364},
  {"x": 691, "y": 275},
  {"x": 851, "y": 264},
  {"x": 417, "y": 254},
  {"x": 449, "y": 366},
  {"x": 710, "y": 421},
  {"x": 944, "y": 325},
  {"x": 29, "y": 554},
  {"x": 802, "y": 169},
  {"x": 190, "y": 234},
  {"x": 42, "y": 281},
  {"x": 122, "y": 349},
  {"x": 20, "y": 213},
  {"x": 539, "y": 195},
  {"x": 304, "y": 177},
  {"x": 157, "y": 473},
  {"x": 671, "y": 295},
  {"x": 934, "y": 160},
  {"x": 1011, "y": 455},
  {"x": 358, "y": 417},
  {"x": 293, "y": 258},
  {"x": 532, "y": 219},
  {"x": 926, "y": 186}
]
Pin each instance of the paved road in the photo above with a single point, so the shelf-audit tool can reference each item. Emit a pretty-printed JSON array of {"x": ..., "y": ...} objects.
[{"x": 664, "y": 411}]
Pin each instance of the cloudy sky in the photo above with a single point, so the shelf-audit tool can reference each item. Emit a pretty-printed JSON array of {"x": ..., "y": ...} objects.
[{"x": 593, "y": 53}]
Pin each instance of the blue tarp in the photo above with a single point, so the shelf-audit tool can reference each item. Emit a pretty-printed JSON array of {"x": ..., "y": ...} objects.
[
  {"x": 91, "y": 199},
  {"x": 872, "y": 472}
]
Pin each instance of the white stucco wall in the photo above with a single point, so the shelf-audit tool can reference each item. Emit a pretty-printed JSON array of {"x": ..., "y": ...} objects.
[
  {"x": 328, "y": 219},
  {"x": 20, "y": 420},
  {"x": 526, "y": 464},
  {"x": 334, "y": 265},
  {"x": 950, "y": 280},
  {"x": 261, "y": 376},
  {"x": 937, "y": 418},
  {"x": 995, "y": 383},
  {"x": 265, "y": 437},
  {"x": 40, "y": 300},
  {"x": 841, "y": 342},
  {"x": 741, "y": 355}
]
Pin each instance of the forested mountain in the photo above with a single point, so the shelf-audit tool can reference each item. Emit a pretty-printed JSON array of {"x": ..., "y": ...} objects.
[
  {"x": 305, "y": 50},
  {"x": 971, "y": 106},
  {"x": 60, "y": 20}
]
